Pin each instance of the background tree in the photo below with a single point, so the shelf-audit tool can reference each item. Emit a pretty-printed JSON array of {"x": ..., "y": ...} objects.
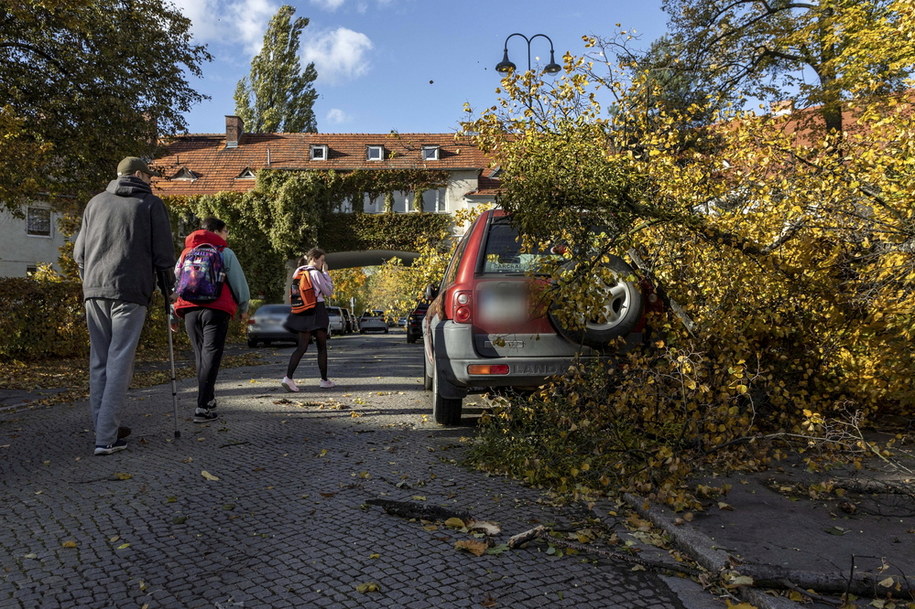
[
  {"x": 277, "y": 96},
  {"x": 84, "y": 83},
  {"x": 814, "y": 53}
]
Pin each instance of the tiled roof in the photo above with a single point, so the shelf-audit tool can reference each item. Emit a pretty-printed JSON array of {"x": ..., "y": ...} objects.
[
  {"x": 218, "y": 169},
  {"x": 487, "y": 185}
]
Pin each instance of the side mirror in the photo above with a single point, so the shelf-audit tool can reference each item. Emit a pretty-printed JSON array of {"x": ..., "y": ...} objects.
[{"x": 431, "y": 292}]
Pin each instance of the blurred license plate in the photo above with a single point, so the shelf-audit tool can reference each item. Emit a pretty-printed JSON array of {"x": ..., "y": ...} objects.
[{"x": 503, "y": 306}]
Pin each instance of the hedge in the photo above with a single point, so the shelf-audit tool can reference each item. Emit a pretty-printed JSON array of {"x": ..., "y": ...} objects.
[{"x": 46, "y": 320}]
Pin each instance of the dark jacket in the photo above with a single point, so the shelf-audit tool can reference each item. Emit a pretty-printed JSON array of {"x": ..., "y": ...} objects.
[
  {"x": 124, "y": 241},
  {"x": 231, "y": 299}
]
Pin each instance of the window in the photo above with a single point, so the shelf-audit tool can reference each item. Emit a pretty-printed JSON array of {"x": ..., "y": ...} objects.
[
  {"x": 318, "y": 152},
  {"x": 185, "y": 174},
  {"x": 430, "y": 153},
  {"x": 434, "y": 200},
  {"x": 247, "y": 174},
  {"x": 374, "y": 153},
  {"x": 38, "y": 222}
]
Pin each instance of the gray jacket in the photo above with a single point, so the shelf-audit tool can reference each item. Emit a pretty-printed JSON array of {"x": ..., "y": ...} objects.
[{"x": 125, "y": 239}]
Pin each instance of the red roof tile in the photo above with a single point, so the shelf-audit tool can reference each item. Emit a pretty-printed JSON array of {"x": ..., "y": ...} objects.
[{"x": 218, "y": 168}]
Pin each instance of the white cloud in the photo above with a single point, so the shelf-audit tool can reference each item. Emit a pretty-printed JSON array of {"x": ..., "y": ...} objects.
[
  {"x": 328, "y": 5},
  {"x": 338, "y": 55},
  {"x": 361, "y": 6},
  {"x": 232, "y": 21},
  {"x": 336, "y": 116}
]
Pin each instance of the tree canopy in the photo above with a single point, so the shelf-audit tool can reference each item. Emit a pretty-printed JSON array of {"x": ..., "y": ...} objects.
[
  {"x": 278, "y": 95},
  {"x": 811, "y": 52},
  {"x": 790, "y": 246},
  {"x": 84, "y": 83}
]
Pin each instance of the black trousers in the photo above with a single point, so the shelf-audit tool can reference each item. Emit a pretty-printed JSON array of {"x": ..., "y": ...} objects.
[{"x": 207, "y": 329}]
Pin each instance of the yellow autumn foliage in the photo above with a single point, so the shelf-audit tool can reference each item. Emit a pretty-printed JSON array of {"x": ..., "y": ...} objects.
[{"x": 790, "y": 248}]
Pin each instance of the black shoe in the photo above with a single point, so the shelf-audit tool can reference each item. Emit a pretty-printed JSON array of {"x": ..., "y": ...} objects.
[
  {"x": 102, "y": 449},
  {"x": 204, "y": 415},
  {"x": 123, "y": 432},
  {"x": 211, "y": 405}
]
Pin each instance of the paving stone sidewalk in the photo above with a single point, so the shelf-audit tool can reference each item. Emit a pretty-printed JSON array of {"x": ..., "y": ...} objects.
[{"x": 267, "y": 506}]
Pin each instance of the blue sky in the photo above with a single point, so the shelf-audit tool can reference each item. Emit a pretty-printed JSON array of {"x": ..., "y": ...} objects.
[{"x": 404, "y": 65}]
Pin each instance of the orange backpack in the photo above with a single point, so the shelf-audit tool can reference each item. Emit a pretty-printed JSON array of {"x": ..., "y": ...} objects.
[{"x": 301, "y": 293}]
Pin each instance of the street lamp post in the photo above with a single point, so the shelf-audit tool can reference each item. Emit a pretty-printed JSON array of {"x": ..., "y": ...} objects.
[{"x": 505, "y": 65}]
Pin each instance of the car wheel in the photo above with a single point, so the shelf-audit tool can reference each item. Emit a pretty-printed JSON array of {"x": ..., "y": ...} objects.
[
  {"x": 385, "y": 330},
  {"x": 623, "y": 310},
  {"x": 361, "y": 331},
  {"x": 410, "y": 338},
  {"x": 252, "y": 343},
  {"x": 445, "y": 411},
  {"x": 267, "y": 343},
  {"x": 427, "y": 376}
]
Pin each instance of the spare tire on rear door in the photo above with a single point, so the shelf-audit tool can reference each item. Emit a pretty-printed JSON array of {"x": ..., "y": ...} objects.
[{"x": 618, "y": 315}]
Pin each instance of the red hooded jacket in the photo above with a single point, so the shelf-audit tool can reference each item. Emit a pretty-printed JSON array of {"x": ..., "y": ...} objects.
[{"x": 225, "y": 302}]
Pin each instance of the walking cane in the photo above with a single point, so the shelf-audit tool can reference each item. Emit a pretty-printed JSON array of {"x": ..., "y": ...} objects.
[{"x": 163, "y": 285}]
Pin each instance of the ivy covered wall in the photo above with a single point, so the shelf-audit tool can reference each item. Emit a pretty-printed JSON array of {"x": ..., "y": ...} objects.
[{"x": 288, "y": 212}]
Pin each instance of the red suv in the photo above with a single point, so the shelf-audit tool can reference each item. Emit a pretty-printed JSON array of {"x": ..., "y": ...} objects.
[{"x": 487, "y": 326}]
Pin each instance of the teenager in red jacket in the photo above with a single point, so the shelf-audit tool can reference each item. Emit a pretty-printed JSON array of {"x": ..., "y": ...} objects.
[{"x": 208, "y": 324}]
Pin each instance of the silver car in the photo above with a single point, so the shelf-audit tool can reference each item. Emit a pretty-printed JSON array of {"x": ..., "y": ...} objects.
[
  {"x": 373, "y": 321},
  {"x": 336, "y": 325},
  {"x": 266, "y": 325}
]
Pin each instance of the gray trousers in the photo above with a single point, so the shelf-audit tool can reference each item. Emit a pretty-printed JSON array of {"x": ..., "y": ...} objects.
[{"x": 114, "y": 331}]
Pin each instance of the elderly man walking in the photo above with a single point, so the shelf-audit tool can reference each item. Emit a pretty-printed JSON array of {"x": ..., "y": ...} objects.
[{"x": 124, "y": 244}]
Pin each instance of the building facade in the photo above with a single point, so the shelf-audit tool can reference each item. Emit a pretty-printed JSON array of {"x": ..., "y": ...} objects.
[
  {"x": 26, "y": 243},
  {"x": 200, "y": 164}
]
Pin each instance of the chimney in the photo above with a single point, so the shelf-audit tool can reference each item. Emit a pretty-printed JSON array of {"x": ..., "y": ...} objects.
[{"x": 235, "y": 127}]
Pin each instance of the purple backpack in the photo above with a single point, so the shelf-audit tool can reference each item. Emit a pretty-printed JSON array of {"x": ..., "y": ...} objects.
[{"x": 201, "y": 275}]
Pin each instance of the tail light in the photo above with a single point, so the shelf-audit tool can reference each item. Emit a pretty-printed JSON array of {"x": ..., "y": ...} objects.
[{"x": 463, "y": 306}]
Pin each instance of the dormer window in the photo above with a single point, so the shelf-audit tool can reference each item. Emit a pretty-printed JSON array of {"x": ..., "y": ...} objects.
[
  {"x": 374, "y": 153},
  {"x": 247, "y": 174},
  {"x": 319, "y": 152},
  {"x": 430, "y": 153},
  {"x": 185, "y": 174}
]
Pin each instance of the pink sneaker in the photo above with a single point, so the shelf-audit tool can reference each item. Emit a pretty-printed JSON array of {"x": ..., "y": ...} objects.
[
  {"x": 327, "y": 384},
  {"x": 289, "y": 385}
]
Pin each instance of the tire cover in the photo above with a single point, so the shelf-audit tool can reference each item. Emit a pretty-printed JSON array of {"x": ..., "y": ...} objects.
[{"x": 623, "y": 309}]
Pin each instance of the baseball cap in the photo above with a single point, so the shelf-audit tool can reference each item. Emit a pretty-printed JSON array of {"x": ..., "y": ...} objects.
[{"x": 132, "y": 164}]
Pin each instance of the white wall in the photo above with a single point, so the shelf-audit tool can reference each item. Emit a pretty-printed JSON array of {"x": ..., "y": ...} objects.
[{"x": 19, "y": 250}]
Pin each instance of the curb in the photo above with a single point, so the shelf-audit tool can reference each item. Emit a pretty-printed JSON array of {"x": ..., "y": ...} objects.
[{"x": 704, "y": 551}]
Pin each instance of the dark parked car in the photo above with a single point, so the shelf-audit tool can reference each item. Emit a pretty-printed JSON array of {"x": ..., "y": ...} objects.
[
  {"x": 266, "y": 325},
  {"x": 415, "y": 322},
  {"x": 350, "y": 323},
  {"x": 485, "y": 328}
]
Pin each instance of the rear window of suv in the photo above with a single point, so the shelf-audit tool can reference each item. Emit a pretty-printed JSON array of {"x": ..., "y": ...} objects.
[{"x": 502, "y": 252}]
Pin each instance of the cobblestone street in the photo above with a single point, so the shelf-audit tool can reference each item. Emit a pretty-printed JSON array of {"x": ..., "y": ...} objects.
[{"x": 266, "y": 507}]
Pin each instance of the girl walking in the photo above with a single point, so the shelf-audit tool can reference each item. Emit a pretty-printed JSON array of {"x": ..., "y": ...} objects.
[{"x": 314, "y": 321}]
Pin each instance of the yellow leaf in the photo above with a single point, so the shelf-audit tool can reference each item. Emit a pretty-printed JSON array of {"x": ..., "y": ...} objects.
[
  {"x": 68, "y": 544},
  {"x": 208, "y": 475},
  {"x": 889, "y": 582},
  {"x": 368, "y": 587},
  {"x": 123, "y": 546},
  {"x": 477, "y": 548},
  {"x": 122, "y": 476},
  {"x": 114, "y": 538},
  {"x": 455, "y": 523}
]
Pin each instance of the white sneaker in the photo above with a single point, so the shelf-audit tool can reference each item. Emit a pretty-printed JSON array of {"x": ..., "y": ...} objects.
[
  {"x": 289, "y": 385},
  {"x": 327, "y": 384}
]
